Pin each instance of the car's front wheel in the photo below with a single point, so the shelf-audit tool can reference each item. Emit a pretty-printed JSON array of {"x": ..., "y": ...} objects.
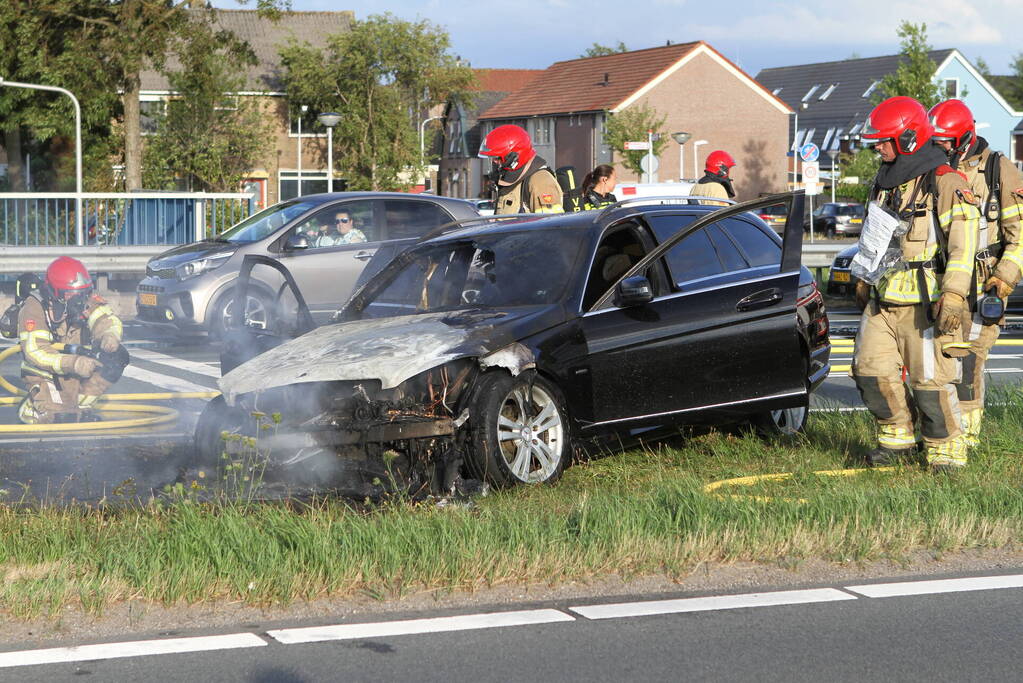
[
  {"x": 520, "y": 430},
  {"x": 258, "y": 313},
  {"x": 785, "y": 422}
]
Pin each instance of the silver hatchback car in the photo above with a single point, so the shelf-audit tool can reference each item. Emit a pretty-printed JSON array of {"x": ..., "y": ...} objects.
[{"x": 325, "y": 240}]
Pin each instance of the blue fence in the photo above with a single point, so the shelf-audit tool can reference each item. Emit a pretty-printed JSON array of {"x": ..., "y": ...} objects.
[{"x": 125, "y": 219}]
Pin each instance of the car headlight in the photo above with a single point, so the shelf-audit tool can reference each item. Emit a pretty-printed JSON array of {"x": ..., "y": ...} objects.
[{"x": 190, "y": 269}]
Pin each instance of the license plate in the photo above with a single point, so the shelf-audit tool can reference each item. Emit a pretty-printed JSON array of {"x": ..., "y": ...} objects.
[
  {"x": 147, "y": 299},
  {"x": 857, "y": 221},
  {"x": 841, "y": 277}
]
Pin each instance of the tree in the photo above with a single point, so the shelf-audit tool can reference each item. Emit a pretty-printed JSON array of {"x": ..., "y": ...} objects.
[
  {"x": 207, "y": 137},
  {"x": 381, "y": 76},
  {"x": 598, "y": 50},
  {"x": 1011, "y": 87},
  {"x": 915, "y": 75},
  {"x": 632, "y": 124},
  {"x": 862, "y": 166}
]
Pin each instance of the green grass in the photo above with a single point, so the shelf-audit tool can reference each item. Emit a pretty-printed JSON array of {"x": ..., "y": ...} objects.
[{"x": 635, "y": 513}]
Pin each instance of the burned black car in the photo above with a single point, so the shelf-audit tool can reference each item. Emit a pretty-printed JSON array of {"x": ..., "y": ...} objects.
[{"x": 498, "y": 348}]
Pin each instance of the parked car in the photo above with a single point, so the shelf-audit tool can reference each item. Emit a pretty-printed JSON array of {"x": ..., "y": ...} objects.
[
  {"x": 502, "y": 347},
  {"x": 191, "y": 286},
  {"x": 775, "y": 216},
  {"x": 484, "y": 206},
  {"x": 841, "y": 281},
  {"x": 837, "y": 219}
]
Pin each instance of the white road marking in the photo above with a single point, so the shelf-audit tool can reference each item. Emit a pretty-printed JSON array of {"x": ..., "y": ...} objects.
[
  {"x": 163, "y": 381},
  {"x": 180, "y": 363},
  {"x": 314, "y": 634},
  {"x": 719, "y": 602},
  {"x": 139, "y": 648},
  {"x": 979, "y": 583}
]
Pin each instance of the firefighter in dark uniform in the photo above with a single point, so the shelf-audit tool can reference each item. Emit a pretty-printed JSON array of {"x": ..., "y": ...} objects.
[
  {"x": 909, "y": 332},
  {"x": 998, "y": 184},
  {"x": 63, "y": 386},
  {"x": 524, "y": 182}
]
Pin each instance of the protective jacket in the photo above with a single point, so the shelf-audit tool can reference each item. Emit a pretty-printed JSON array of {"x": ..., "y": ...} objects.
[
  {"x": 943, "y": 223},
  {"x": 38, "y": 334},
  {"x": 1000, "y": 215},
  {"x": 595, "y": 200},
  {"x": 713, "y": 186},
  {"x": 533, "y": 189}
]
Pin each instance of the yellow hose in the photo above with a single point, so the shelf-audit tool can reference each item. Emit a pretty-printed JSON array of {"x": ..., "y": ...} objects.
[
  {"x": 778, "y": 476},
  {"x": 157, "y": 415}
]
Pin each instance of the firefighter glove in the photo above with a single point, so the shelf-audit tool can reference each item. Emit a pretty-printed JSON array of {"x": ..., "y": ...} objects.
[
  {"x": 1003, "y": 287},
  {"x": 109, "y": 342},
  {"x": 862, "y": 294},
  {"x": 948, "y": 315},
  {"x": 84, "y": 366}
]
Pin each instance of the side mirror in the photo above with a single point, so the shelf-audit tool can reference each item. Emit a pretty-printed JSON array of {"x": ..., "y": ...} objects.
[
  {"x": 634, "y": 291},
  {"x": 296, "y": 241}
]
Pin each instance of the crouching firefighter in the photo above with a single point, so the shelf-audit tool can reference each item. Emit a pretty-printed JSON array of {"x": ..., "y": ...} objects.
[
  {"x": 998, "y": 184},
  {"x": 70, "y": 346},
  {"x": 524, "y": 182},
  {"x": 917, "y": 252}
]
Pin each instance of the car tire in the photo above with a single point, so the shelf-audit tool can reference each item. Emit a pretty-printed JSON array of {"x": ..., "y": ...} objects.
[
  {"x": 787, "y": 422},
  {"x": 259, "y": 308},
  {"x": 520, "y": 432},
  {"x": 215, "y": 419}
]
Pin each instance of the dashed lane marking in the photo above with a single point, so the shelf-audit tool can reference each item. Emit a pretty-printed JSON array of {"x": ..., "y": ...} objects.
[
  {"x": 313, "y": 634},
  {"x": 903, "y": 588},
  {"x": 138, "y": 648},
  {"x": 174, "y": 362},
  {"x": 715, "y": 603},
  {"x": 163, "y": 381}
]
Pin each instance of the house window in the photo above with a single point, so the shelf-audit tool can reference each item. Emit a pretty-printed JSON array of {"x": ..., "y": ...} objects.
[
  {"x": 151, "y": 112},
  {"x": 313, "y": 182},
  {"x": 542, "y": 135},
  {"x": 870, "y": 91},
  {"x": 951, "y": 88},
  {"x": 311, "y": 128},
  {"x": 455, "y": 137}
]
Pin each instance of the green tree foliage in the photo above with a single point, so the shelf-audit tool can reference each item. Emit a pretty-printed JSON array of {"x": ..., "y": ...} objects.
[
  {"x": 381, "y": 76},
  {"x": 208, "y": 139},
  {"x": 862, "y": 165},
  {"x": 598, "y": 50},
  {"x": 915, "y": 75},
  {"x": 632, "y": 124},
  {"x": 1011, "y": 87}
]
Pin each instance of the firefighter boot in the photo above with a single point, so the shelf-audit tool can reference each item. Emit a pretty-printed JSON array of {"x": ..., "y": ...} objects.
[
  {"x": 949, "y": 456},
  {"x": 883, "y": 456}
]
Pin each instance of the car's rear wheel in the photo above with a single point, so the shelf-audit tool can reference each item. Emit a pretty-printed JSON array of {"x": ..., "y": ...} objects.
[
  {"x": 784, "y": 422},
  {"x": 520, "y": 430}
]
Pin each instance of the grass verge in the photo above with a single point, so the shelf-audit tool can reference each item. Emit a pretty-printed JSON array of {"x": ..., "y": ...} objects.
[{"x": 635, "y": 513}]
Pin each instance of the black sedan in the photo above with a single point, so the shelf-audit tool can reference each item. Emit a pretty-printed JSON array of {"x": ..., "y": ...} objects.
[{"x": 500, "y": 348}]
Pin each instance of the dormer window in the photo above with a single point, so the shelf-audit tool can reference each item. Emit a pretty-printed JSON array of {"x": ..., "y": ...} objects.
[
  {"x": 810, "y": 92},
  {"x": 824, "y": 95}
]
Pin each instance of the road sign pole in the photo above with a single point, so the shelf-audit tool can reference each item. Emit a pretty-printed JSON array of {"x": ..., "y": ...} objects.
[{"x": 650, "y": 143}]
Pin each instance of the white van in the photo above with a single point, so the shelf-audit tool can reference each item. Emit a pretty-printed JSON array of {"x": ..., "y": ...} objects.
[{"x": 629, "y": 190}]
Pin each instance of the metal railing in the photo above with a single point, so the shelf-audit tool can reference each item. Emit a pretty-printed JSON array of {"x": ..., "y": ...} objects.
[{"x": 41, "y": 219}]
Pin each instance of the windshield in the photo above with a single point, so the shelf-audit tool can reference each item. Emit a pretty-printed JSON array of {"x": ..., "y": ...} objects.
[
  {"x": 496, "y": 271},
  {"x": 850, "y": 210},
  {"x": 264, "y": 223}
]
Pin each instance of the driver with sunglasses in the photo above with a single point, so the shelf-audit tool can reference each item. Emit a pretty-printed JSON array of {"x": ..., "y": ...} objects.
[{"x": 346, "y": 232}]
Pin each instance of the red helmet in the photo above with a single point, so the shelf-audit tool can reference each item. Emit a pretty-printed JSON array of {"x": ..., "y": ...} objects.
[
  {"x": 718, "y": 162},
  {"x": 509, "y": 145},
  {"x": 953, "y": 121},
  {"x": 66, "y": 279},
  {"x": 902, "y": 120}
]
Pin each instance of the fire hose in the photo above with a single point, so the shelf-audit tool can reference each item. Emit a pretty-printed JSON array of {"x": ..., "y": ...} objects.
[
  {"x": 712, "y": 488},
  {"x": 108, "y": 403}
]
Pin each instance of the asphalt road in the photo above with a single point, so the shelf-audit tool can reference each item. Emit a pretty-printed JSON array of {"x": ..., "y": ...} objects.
[{"x": 880, "y": 631}]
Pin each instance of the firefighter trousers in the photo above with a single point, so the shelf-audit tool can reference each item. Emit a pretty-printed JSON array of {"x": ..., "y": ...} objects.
[
  {"x": 971, "y": 390},
  {"x": 893, "y": 337},
  {"x": 60, "y": 399}
]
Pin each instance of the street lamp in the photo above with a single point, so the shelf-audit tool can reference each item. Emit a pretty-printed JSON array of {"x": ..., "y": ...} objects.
[
  {"x": 696, "y": 157},
  {"x": 329, "y": 119},
  {"x": 681, "y": 139},
  {"x": 79, "y": 233},
  {"x": 298, "y": 144},
  {"x": 422, "y": 139}
]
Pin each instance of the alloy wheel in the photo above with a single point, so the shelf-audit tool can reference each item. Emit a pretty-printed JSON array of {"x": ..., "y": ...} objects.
[{"x": 531, "y": 434}]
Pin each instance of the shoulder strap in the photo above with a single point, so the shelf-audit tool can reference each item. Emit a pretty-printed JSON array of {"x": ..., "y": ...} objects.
[{"x": 993, "y": 177}]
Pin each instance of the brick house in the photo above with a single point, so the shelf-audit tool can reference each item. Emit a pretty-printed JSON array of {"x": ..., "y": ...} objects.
[
  {"x": 461, "y": 170},
  {"x": 277, "y": 177},
  {"x": 692, "y": 85}
]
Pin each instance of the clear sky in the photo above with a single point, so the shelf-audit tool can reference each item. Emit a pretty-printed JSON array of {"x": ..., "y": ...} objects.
[{"x": 756, "y": 35}]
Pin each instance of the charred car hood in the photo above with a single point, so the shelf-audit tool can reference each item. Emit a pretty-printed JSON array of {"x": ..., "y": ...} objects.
[{"x": 390, "y": 350}]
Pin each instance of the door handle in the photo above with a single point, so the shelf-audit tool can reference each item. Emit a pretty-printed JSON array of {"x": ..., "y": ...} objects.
[
  {"x": 364, "y": 255},
  {"x": 761, "y": 299}
]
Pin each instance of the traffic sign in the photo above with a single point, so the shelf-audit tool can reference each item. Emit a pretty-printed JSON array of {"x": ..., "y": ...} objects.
[
  {"x": 811, "y": 177},
  {"x": 649, "y": 163},
  {"x": 632, "y": 146},
  {"x": 809, "y": 152}
]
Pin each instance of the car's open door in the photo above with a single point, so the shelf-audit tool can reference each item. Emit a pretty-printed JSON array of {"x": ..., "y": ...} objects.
[{"x": 287, "y": 317}]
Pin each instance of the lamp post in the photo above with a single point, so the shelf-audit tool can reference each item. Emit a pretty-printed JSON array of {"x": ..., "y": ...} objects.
[
  {"x": 696, "y": 157},
  {"x": 329, "y": 119},
  {"x": 79, "y": 233},
  {"x": 681, "y": 139},
  {"x": 298, "y": 145}
]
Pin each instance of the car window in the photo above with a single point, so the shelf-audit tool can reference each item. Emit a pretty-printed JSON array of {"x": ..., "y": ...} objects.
[
  {"x": 266, "y": 222},
  {"x": 758, "y": 248},
  {"x": 339, "y": 225},
  {"x": 851, "y": 210},
  {"x": 620, "y": 249},
  {"x": 729, "y": 254},
  {"x": 407, "y": 218}
]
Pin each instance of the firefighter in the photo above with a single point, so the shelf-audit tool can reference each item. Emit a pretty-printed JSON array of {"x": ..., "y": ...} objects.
[
  {"x": 64, "y": 384},
  {"x": 716, "y": 181},
  {"x": 598, "y": 188},
  {"x": 912, "y": 315},
  {"x": 998, "y": 184},
  {"x": 524, "y": 182}
]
